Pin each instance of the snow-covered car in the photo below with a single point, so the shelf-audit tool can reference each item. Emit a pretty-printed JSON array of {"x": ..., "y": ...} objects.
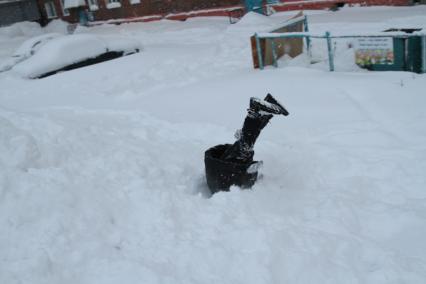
[
  {"x": 26, "y": 50},
  {"x": 52, "y": 53}
]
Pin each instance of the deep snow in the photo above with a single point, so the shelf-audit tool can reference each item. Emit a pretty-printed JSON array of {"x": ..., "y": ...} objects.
[{"x": 102, "y": 178}]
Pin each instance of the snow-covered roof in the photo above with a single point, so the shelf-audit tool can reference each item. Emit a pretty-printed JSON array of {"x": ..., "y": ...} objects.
[{"x": 74, "y": 3}]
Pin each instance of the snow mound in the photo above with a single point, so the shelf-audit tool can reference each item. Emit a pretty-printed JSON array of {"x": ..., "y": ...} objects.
[
  {"x": 21, "y": 29},
  {"x": 253, "y": 19},
  {"x": 301, "y": 60},
  {"x": 345, "y": 61},
  {"x": 57, "y": 26}
]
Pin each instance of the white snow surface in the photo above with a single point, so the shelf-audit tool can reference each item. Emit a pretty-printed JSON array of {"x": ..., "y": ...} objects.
[
  {"x": 102, "y": 175},
  {"x": 121, "y": 43}
]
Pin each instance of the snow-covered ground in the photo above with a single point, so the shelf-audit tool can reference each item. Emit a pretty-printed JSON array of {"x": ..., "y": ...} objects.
[{"x": 102, "y": 175}]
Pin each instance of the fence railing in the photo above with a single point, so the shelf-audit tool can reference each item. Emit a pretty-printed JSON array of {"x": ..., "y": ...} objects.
[{"x": 328, "y": 37}]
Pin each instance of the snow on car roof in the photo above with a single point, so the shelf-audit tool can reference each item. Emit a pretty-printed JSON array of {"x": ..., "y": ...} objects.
[{"x": 61, "y": 51}]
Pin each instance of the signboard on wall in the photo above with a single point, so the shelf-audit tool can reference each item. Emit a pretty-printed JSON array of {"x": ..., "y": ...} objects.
[{"x": 374, "y": 50}]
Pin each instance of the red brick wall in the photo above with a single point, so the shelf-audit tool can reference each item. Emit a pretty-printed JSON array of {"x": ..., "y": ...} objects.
[
  {"x": 161, "y": 8},
  {"x": 150, "y": 7},
  {"x": 326, "y": 4}
]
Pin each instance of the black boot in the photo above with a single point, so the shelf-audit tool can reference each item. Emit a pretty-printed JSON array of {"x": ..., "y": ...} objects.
[
  {"x": 242, "y": 150},
  {"x": 270, "y": 99},
  {"x": 258, "y": 116},
  {"x": 269, "y": 105}
]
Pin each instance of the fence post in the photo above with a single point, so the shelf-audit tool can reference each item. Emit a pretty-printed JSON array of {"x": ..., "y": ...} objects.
[
  {"x": 330, "y": 51},
  {"x": 259, "y": 52},
  {"x": 274, "y": 52},
  {"x": 423, "y": 40},
  {"x": 308, "y": 38}
]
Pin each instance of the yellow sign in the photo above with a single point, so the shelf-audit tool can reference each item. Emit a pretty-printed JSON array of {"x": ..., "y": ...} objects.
[{"x": 374, "y": 50}]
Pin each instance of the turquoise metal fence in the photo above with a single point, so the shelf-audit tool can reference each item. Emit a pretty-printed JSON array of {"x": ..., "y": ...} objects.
[
  {"x": 328, "y": 37},
  {"x": 254, "y": 5},
  {"x": 424, "y": 54}
]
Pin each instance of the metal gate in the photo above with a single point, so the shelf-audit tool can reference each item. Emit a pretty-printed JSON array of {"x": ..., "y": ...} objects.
[
  {"x": 259, "y": 6},
  {"x": 254, "y": 5}
]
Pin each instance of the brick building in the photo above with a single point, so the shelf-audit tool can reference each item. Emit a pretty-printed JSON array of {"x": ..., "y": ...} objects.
[
  {"x": 12, "y": 11},
  {"x": 147, "y": 10},
  {"x": 102, "y": 10}
]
